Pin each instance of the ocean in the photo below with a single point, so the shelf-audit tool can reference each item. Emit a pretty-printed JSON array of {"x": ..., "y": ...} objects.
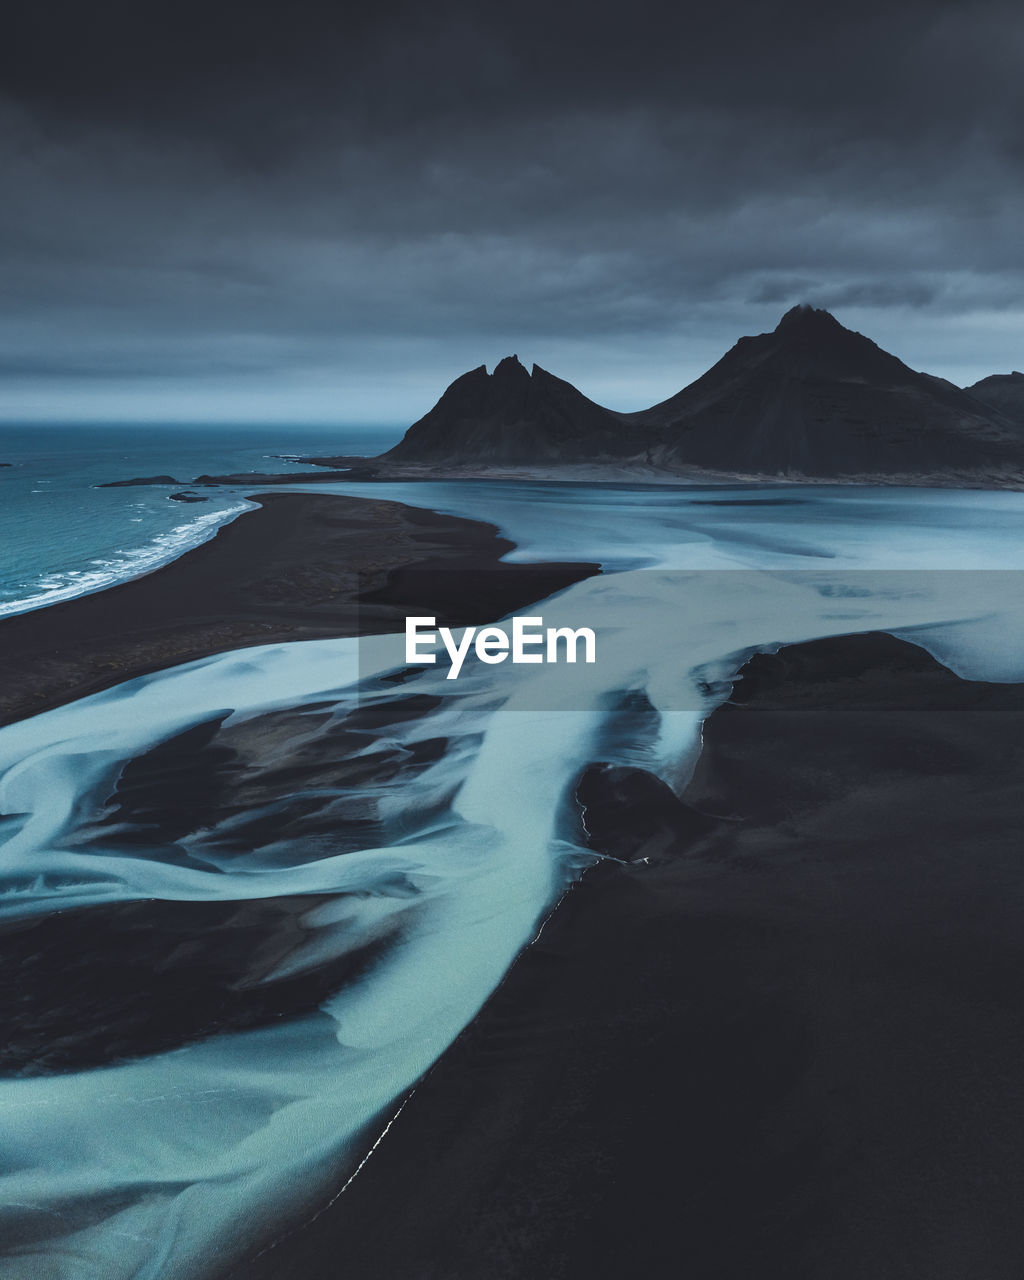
[{"x": 61, "y": 536}]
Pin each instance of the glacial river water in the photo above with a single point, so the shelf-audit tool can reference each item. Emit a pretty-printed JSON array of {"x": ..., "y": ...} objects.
[{"x": 428, "y": 820}]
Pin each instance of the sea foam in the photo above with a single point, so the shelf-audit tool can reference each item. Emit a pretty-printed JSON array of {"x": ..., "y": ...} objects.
[{"x": 124, "y": 565}]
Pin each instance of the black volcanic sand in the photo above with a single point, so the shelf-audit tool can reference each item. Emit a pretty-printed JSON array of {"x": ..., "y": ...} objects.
[
  {"x": 294, "y": 569},
  {"x": 788, "y": 1046},
  {"x": 148, "y": 977}
]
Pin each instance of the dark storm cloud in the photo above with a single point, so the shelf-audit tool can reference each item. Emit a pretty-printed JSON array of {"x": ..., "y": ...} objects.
[{"x": 331, "y": 211}]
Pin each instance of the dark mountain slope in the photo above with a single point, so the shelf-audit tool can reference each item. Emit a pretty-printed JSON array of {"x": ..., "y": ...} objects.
[
  {"x": 511, "y": 415},
  {"x": 816, "y": 399},
  {"x": 1003, "y": 392}
]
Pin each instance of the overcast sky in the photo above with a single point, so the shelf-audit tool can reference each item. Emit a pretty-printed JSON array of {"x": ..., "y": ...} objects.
[{"x": 320, "y": 213}]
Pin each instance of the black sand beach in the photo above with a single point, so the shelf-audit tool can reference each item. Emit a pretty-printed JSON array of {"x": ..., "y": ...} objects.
[
  {"x": 779, "y": 1039},
  {"x": 788, "y": 1047},
  {"x": 301, "y": 566}
]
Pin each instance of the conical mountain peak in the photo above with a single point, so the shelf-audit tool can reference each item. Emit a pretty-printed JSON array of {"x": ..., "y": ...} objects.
[
  {"x": 813, "y": 398},
  {"x": 807, "y": 319}
]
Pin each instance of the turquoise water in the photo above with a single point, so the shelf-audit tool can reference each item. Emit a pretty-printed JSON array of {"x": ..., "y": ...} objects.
[
  {"x": 176, "y": 1164},
  {"x": 61, "y": 536}
]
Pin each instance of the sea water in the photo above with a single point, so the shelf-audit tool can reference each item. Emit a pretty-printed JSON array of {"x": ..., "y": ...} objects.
[{"x": 61, "y": 535}]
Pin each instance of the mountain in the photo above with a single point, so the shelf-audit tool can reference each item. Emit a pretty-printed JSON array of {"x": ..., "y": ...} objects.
[
  {"x": 1003, "y": 392},
  {"x": 813, "y": 398},
  {"x": 513, "y": 416},
  {"x": 809, "y": 400}
]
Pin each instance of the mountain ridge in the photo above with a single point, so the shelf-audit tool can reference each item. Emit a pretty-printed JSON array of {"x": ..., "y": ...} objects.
[
  {"x": 811, "y": 399},
  {"x": 1003, "y": 392}
]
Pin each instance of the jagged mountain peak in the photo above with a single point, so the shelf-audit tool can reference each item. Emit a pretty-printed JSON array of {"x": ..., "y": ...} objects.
[
  {"x": 510, "y": 367},
  {"x": 515, "y": 415}
]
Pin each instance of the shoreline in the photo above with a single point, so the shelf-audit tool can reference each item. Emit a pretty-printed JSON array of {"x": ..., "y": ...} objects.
[
  {"x": 139, "y": 562},
  {"x": 296, "y": 567},
  {"x": 592, "y": 474},
  {"x": 355, "y": 469}
]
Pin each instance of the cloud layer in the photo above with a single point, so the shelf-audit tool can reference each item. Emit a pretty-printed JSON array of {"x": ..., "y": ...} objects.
[{"x": 319, "y": 214}]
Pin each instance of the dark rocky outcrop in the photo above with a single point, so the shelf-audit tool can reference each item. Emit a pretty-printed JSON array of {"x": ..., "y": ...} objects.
[
  {"x": 813, "y": 398},
  {"x": 1003, "y": 392},
  {"x": 630, "y": 814},
  {"x": 515, "y": 416}
]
